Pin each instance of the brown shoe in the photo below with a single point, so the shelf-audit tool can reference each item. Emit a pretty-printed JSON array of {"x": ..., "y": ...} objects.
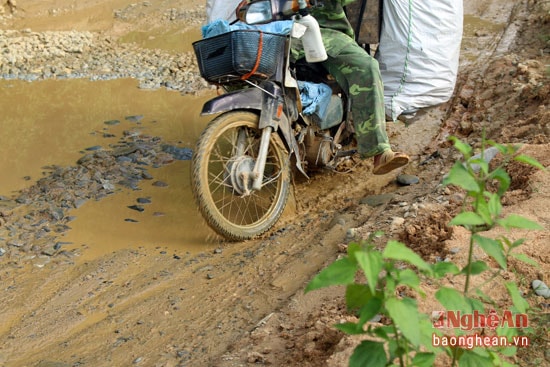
[{"x": 388, "y": 161}]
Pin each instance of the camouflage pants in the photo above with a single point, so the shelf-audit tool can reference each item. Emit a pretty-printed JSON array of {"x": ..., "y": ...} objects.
[{"x": 358, "y": 74}]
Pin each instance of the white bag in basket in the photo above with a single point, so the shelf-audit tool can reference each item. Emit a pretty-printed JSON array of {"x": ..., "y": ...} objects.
[
  {"x": 419, "y": 52},
  {"x": 221, "y": 9}
]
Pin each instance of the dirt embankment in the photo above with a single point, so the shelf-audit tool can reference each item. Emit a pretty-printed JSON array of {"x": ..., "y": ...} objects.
[{"x": 242, "y": 304}]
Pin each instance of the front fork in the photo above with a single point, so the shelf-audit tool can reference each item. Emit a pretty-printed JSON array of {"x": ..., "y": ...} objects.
[
  {"x": 269, "y": 101},
  {"x": 259, "y": 167},
  {"x": 256, "y": 175}
]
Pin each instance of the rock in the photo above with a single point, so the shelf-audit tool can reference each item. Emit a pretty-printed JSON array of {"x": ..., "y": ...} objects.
[
  {"x": 138, "y": 208},
  {"x": 182, "y": 154},
  {"x": 376, "y": 200},
  {"x": 407, "y": 180},
  {"x": 94, "y": 148},
  {"x": 351, "y": 233},
  {"x": 160, "y": 184},
  {"x": 488, "y": 155},
  {"x": 136, "y": 118},
  {"x": 541, "y": 288},
  {"x": 49, "y": 251},
  {"x": 124, "y": 151},
  {"x": 397, "y": 223}
]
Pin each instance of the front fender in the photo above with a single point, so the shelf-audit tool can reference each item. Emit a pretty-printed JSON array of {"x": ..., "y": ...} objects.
[
  {"x": 256, "y": 99},
  {"x": 249, "y": 99}
]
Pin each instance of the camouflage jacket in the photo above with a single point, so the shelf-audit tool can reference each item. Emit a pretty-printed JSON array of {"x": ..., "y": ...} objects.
[
  {"x": 331, "y": 16},
  {"x": 335, "y": 28}
]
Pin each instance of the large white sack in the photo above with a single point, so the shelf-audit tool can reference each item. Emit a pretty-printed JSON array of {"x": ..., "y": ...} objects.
[
  {"x": 419, "y": 53},
  {"x": 221, "y": 9}
]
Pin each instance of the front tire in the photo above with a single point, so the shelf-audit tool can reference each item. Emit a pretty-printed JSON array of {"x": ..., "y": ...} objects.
[{"x": 230, "y": 144}]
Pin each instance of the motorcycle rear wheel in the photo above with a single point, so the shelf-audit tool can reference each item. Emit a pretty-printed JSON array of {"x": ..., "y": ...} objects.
[{"x": 228, "y": 147}]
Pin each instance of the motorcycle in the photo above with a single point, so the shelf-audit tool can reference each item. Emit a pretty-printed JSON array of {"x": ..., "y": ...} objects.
[{"x": 242, "y": 165}]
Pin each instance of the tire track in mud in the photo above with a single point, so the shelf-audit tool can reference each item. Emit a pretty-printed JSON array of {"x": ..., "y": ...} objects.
[{"x": 121, "y": 308}]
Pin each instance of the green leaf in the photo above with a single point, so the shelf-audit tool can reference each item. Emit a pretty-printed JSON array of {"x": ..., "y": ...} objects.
[
  {"x": 476, "y": 267},
  {"x": 350, "y": 328},
  {"x": 482, "y": 295},
  {"x": 501, "y": 176},
  {"x": 517, "y": 221},
  {"x": 509, "y": 333},
  {"x": 516, "y": 243},
  {"x": 423, "y": 359},
  {"x": 470, "y": 358},
  {"x": 461, "y": 177},
  {"x": 467, "y": 219},
  {"x": 389, "y": 289},
  {"x": 524, "y": 258},
  {"x": 404, "y": 314},
  {"x": 409, "y": 278},
  {"x": 462, "y": 147},
  {"x": 492, "y": 248},
  {"x": 383, "y": 332},
  {"x": 427, "y": 332},
  {"x": 483, "y": 165},
  {"x": 368, "y": 353},
  {"x": 371, "y": 264},
  {"x": 394, "y": 350},
  {"x": 476, "y": 304},
  {"x": 357, "y": 296},
  {"x": 529, "y": 160},
  {"x": 398, "y": 251},
  {"x": 340, "y": 272},
  {"x": 452, "y": 299},
  {"x": 494, "y": 205},
  {"x": 503, "y": 150},
  {"x": 370, "y": 310},
  {"x": 482, "y": 209},
  {"x": 519, "y": 302},
  {"x": 443, "y": 268},
  {"x": 353, "y": 248}
]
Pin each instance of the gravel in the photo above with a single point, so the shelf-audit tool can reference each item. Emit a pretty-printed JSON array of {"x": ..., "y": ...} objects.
[{"x": 30, "y": 56}]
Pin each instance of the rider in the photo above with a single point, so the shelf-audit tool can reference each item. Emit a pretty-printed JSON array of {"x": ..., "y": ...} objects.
[{"x": 358, "y": 73}]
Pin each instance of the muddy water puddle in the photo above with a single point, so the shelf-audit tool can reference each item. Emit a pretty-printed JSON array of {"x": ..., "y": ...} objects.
[
  {"x": 49, "y": 123},
  {"x": 175, "y": 39},
  {"x": 477, "y": 32}
]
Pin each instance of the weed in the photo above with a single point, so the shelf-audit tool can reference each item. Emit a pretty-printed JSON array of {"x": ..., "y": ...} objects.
[{"x": 410, "y": 338}]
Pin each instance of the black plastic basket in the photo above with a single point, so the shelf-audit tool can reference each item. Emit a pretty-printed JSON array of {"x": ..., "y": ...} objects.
[{"x": 239, "y": 54}]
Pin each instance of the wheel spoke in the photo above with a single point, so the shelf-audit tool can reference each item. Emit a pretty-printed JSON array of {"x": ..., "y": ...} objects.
[{"x": 230, "y": 153}]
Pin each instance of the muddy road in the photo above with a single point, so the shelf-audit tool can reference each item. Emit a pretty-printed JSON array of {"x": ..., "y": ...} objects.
[{"x": 87, "y": 281}]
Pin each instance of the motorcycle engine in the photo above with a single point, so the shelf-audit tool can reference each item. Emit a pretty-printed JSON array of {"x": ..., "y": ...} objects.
[{"x": 318, "y": 146}]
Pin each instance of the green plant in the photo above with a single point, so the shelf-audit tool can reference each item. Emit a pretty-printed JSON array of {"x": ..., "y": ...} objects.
[{"x": 391, "y": 274}]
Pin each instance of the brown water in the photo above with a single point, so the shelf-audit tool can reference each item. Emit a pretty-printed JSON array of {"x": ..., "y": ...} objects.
[
  {"x": 52, "y": 122},
  {"x": 477, "y": 32},
  {"x": 175, "y": 39}
]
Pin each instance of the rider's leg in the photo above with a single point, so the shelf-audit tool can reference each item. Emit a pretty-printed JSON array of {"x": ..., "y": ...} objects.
[{"x": 358, "y": 73}]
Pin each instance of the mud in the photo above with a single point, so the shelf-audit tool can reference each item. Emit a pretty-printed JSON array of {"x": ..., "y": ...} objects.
[{"x": 238, "y": 304}]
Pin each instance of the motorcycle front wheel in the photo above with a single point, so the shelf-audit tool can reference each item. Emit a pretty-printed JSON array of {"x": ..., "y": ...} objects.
[{"x": 221, "y": 177}]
